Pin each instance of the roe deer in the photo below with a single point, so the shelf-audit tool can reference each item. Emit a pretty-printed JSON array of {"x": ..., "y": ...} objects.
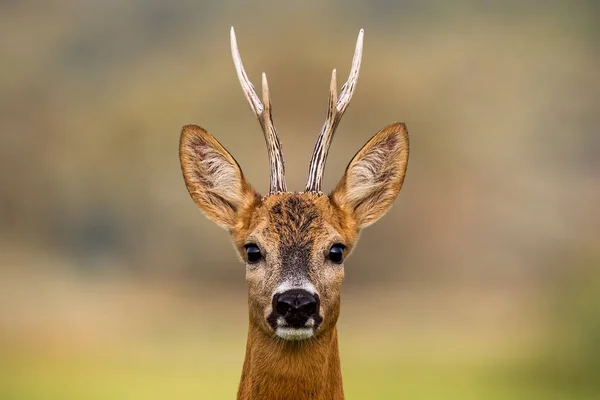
[{"x": 294, "y": 244}]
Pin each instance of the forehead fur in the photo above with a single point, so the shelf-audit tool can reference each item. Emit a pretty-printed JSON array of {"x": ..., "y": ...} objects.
[{"x": 297, "y": 217}]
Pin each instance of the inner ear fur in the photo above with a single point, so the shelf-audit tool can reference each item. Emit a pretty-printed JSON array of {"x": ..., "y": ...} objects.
[
  {"x": 213, "y": 177},
  {"x": 375, "y": 175}
]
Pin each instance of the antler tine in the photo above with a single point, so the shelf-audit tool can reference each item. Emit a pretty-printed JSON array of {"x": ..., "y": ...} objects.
[
  {"x": 277, "y": 166},
  {"x": 350, "y": 85},
  {"x": 263, "y": 113},
  {"x": 337, "y": 107}
]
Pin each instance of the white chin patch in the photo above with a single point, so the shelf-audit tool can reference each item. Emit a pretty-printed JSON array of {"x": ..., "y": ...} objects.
[{"x": 289, "y": 333}]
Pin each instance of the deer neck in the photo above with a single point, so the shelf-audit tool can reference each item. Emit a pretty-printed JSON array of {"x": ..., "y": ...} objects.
[{"x": 275, "y": 369}]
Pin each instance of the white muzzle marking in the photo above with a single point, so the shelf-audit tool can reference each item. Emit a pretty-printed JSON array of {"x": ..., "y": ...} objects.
[
  {"x": 290, "y": 333},
  {"x": 287, "y": 332},
  {"x": 286, "y": 285}
]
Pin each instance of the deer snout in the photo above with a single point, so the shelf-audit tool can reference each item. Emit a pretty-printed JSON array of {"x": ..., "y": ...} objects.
[{"x": 296, "y": 307}]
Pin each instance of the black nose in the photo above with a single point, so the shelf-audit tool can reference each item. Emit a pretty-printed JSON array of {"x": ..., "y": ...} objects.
[{"x": 296, "y": 306}]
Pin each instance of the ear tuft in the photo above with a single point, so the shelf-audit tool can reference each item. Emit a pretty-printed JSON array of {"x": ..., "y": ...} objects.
[
  {"x": 375, "y": 175},
  {"x": 213, "y": 177}
]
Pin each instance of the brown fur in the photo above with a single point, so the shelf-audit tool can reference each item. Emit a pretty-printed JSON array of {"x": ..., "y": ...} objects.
[
  {"x": 276, "y": 369},
  {"x": 294, "y": 232}
]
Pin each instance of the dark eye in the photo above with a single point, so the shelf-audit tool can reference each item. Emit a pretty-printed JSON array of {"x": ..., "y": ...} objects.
[
  {"x": 253, "y": 253},
  {"x": 336, "y": 253}
]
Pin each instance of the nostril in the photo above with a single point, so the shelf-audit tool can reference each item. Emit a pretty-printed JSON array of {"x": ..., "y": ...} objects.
[
  {"x": 283, "y": 307},
  {"x": 308, "y": 309},
  {"x": 306, "y": 304}
]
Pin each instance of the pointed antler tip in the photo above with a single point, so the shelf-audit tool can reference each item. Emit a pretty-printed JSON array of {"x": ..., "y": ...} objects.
[
  {"x": 333, "y": 88},
  {"x": 265, "y": 92},
  {"x": 232, "y": 39},
  {"x": 333, "y": 83},
  {"x": 361, "y": 35}
]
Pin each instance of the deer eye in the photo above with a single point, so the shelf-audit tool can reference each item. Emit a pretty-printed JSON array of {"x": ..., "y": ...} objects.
[
  {"x": 336, "y": 253},
  {"x": 253, "y": 253}
]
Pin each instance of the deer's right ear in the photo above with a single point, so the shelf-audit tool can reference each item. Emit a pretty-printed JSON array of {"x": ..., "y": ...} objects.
[{"x": 213, "y": 177}]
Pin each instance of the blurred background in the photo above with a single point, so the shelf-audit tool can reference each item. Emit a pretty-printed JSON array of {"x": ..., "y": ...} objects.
[{"x": 483, "y": 281}]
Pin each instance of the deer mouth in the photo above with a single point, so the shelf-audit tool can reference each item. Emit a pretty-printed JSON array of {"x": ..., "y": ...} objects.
[
  {"x": 295, "y": 331},
  {"x": 291, "y": 333},
  {"x": 288, "y": 329}
]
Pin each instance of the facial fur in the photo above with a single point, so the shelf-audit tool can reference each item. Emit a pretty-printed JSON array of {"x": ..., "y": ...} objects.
[{"x": 294, "y": 232}]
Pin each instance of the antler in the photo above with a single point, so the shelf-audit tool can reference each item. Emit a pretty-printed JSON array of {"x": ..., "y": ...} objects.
[
  {"x": 262, "y": 110},
  {"x": 337, "y": 107}
]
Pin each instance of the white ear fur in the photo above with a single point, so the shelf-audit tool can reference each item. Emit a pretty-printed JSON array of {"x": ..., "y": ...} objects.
[{"x": 375, "y": 175}]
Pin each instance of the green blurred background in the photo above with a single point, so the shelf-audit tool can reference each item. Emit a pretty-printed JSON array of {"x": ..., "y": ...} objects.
[{"x": 483, "y": 282}]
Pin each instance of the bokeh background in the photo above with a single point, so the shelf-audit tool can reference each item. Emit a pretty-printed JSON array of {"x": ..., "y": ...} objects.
[{"x": 482, "y": 282}]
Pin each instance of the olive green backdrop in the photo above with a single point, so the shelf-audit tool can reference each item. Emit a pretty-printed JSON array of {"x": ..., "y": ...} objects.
[{"x": 482, "y": 282}]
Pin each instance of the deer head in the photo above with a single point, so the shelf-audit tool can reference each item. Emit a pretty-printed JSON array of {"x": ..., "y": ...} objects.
[{"x": 294, "y": 244}]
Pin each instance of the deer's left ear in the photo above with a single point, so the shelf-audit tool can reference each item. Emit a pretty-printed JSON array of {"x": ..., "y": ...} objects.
[{"x": 374, "y": 177}]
